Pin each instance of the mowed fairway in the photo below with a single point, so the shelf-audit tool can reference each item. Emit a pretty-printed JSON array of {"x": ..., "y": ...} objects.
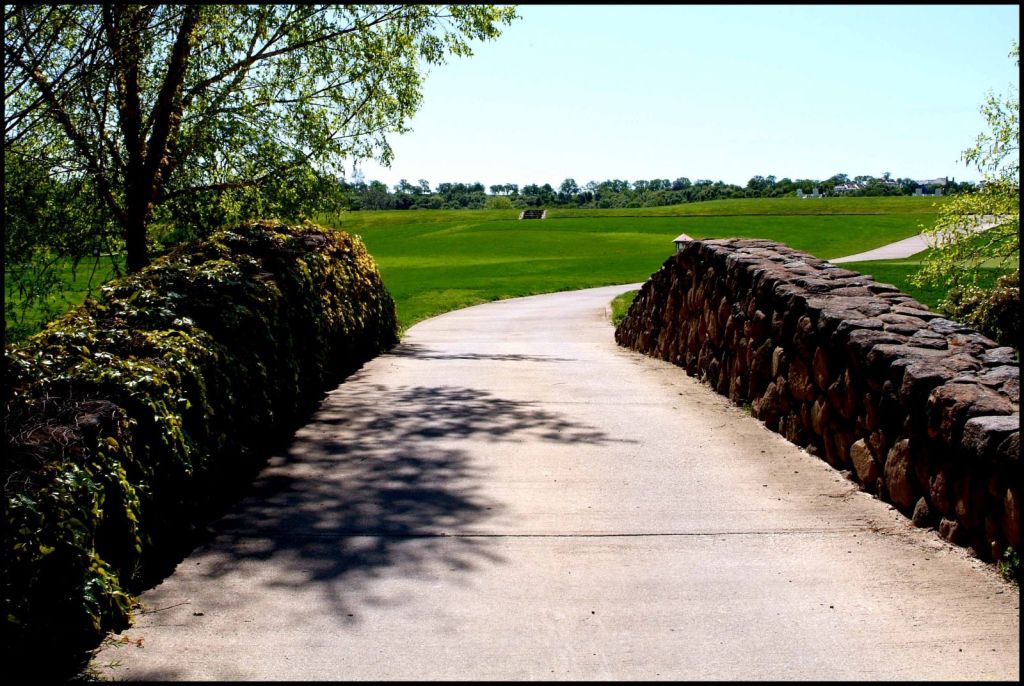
[
  {"x": 80, "y": 282},
  {"x": 434, "y": 261}
]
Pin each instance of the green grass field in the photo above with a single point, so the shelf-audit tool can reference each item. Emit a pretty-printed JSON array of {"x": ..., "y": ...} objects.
[
  {"x": 438, "y": 260},
  {"x": 434, "y": 261},
  {"x": 79, "y": 282},
  {"x": 777, "y": 206},
  {"x": 620, "y": 306}
]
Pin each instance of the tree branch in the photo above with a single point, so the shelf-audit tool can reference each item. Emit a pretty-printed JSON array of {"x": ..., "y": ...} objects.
[
  {"x": 77, "y": 139},
  {"x": 126, "y": 84},
  {"x": 166, "y": 113},
  {"x": 263, "y": 55}
]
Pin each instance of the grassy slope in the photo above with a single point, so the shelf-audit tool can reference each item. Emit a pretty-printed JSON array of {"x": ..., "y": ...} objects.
[
  {"x": 751, "y": 206},
  {"x": 435, "y": 261},
  {"x": 620, "y": 306},
  {"x": 778, "y": 206},
  {"x": 79, "y": 282}
]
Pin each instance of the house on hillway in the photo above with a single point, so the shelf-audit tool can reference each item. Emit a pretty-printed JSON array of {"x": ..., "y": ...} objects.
[
  {"x": 931, "y": 186},
  {"x": 842, "y": 188}
]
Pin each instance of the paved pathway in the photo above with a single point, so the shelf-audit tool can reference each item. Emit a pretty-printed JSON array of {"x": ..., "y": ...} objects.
[
  {"x": 892, "y": 251},
  {"x": 509, "y": 495},
  {"x": 906, "y": 247}
]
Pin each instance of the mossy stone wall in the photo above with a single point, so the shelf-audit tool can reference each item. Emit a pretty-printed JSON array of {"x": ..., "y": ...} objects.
[{"x": 133, "y": 419}]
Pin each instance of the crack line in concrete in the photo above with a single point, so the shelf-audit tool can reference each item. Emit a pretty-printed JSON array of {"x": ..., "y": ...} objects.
[{"x": 640, "y": 534}]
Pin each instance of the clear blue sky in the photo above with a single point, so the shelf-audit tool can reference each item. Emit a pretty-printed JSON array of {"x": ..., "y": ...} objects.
[{"x": 597, "y": 92}]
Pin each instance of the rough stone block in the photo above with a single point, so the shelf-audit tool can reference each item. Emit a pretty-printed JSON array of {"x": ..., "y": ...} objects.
[
  {"x": 800, "y": 385},
  {"x": 843, "y": 395},
  {"x": 950, "y": 406},
  {"x": 864, "y": 464},
  {"x": 999, "y": 356},
  {"x": 1008, "y": 453},
  {"x": 938, "y": 492},
  {"x": 983, "y": 435},
  {"x": 922, "y": 515},
  {"x": 919, "y": 378},
  {"x": 950, "y": 530},
  {"x": 820, "y": 368},
  {"x": 901, "y": 323},
  {"x": 898, "y": 475},
  {"x": 1011, "y": 517}
]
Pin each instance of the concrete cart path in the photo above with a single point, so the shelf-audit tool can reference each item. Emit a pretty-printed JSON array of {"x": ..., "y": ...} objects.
[
  {"x": 892, "y": 251},
  {"x": 510, "y": 495},
  {"x": 907, "y": 247}
]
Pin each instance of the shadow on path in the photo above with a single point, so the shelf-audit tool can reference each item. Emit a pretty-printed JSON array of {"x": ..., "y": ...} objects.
[
  {"x": 420, "y": 352},
  {"x": 378, "y": 479}
]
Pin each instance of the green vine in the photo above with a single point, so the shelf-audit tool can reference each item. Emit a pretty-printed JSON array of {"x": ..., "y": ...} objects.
[{"x": 129, "y": 420}]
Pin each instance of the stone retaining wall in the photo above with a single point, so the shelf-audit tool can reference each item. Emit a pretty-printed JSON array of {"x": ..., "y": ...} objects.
[{"x": 922, "y": 411}]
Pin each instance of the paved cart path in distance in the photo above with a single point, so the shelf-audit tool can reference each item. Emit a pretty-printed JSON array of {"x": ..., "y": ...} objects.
[
  {"x": 909, "y": 246},
  {"x": 508, "y": 494}
]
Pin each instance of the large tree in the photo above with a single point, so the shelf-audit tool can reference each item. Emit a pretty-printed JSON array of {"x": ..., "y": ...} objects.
[
  {"x": 157, "y": 104},
  {"x": 960, "y": 250}
]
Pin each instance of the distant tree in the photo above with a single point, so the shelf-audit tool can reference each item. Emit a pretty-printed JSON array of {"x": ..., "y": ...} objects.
[
  {"x": 403, "y": 186},
  {"x": 499, "y": 202},
  {"x": 828, "y": 185},
  {"x": 610, "y": 193},
  {"x": 569, "y": 189},
  {"x": 376, "y": 197},
  {"x": 614, "y": 186},
  {"x": 759, "y": 185}
]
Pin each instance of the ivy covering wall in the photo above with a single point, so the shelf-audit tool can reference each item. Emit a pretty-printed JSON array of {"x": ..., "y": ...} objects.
[{"x": 133, "y": 419}]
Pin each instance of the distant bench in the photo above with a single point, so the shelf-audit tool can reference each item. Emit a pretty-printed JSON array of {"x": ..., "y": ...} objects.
[{"x": 533, "y": 214}]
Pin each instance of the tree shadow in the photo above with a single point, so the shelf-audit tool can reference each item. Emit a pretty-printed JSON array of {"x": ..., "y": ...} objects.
[
  {"x": 378, "y": 479},
  {"x": 421, "y": 352}
]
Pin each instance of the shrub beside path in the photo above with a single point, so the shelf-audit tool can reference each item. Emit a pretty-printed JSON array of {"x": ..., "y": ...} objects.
[{"x": 507, "y": 494}]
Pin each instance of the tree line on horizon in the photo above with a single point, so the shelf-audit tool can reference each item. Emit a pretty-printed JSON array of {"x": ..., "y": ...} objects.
[{"x": 613, "y": 193}]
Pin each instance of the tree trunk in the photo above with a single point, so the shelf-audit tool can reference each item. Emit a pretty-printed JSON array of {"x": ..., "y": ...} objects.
[
  {"x": 135, "y": 240},
  {"x": 148, "y": 163}
]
